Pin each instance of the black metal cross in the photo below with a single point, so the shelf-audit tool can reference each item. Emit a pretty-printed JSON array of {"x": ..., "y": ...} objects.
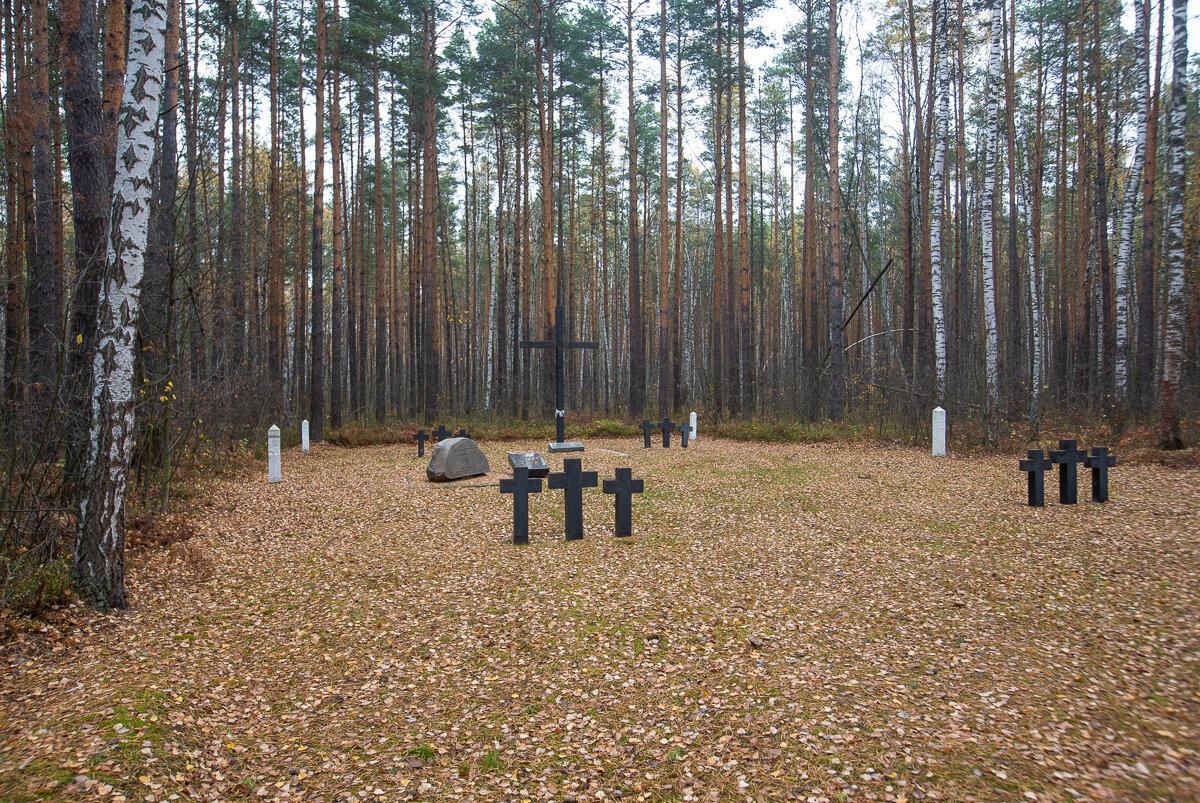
[
  {"x": 1036, "y": 466},
  {"x": 666, "y": 426},
  {"x": 559, "y": 344},
  {"x": 1100, "y": 462},
  {"x": 572, "y": 479},
  {"x": 1067, "y": 457},
  {"x": 520, "y": 486},
  {"x": 420, "y": 438},
  {"x": 462, "y": 433},
  {"x": 685, "y": 430},
  {"x": 441, "y": 433},
  {"x": 623, "y": 487},
  {"x": 646, "y": 428}
]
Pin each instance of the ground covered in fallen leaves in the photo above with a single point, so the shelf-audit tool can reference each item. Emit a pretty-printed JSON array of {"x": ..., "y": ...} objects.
[{"x": 816, "y": 622}]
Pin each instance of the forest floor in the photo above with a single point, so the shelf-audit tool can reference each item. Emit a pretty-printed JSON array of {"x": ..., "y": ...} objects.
[{"x": 806, "y": 622}]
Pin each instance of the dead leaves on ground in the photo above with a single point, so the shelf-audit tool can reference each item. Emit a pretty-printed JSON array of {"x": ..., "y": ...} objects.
[{"x": 788, "y": 622}]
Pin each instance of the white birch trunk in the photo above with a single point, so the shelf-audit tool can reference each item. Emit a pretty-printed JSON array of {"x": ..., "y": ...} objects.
[
  {"x": 1034, "y": 281},
  {"x": 1129, "y": 209},
  {"x": 491, "y": 330},
  {"x": 991, "y": 142},
  {"x": 937, "y": 204},
  {"x": 98, "y": 569},
  {"x": 1172, "y": 351}
]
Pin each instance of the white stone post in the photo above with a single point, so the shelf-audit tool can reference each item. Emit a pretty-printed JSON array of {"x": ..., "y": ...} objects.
[
  {"x": 939, "y": 432},
  {"x": 692, "y": 424},
  {"x": 304, "y": 436},
  {"x": 273, "y": 472}
]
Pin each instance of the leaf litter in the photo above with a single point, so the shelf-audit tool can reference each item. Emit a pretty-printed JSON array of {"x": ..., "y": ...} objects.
[{"x": 817, "y": 623}]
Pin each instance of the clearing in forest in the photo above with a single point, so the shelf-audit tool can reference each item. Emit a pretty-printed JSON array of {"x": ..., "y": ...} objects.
[{"x": 828, "y": 622}]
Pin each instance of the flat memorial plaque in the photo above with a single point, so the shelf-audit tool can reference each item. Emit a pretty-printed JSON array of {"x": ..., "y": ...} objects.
[
  {"x": 537, "y": 465},
  {"x": 567, "y": 446}
]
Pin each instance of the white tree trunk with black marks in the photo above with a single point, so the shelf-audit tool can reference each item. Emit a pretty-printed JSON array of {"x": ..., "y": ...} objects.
[
  {"x": 1133, "y": 188},
  {"x": 98, "y": 570},
  {"x": 990, "y": 145},
  {"x": 937, "y": 203},
  {"x": 1169, "y": 433}
]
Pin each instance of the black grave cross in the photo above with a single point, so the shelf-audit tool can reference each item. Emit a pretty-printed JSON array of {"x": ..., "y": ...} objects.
[
  {"x": 462, "y": 433},
  {"x": 441, "y": 433},
  {"x": 685, "y": 430},
  {"x": 559, "y": 344},
  {"x": 572, "y": 479},
  {"x": 1100, "y": 462},
  {"x": 420, "y": 438},
  {"x": 1067, "y": 457},
  {"x": 1036, "y": 466},
  {"x": 666, "y": 426},
  {"x": 646, "y": 428},
  {"x": 520, "y": 486},
  {"x": 624, "y": 487}
]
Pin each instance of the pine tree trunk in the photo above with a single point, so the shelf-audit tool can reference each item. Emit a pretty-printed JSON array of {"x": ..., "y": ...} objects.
[
  {"x": 745, "y": 324},
  {"x": 316, "y": 390},
  {"x": 45, "y": 295},
  {"x": 637, "y": 351},
  {"x": 837, "y": 383},
  {"x": 664, "y": 322},
  {"x": 429, "y": 199},
  {"x": 98, "y": 568}
]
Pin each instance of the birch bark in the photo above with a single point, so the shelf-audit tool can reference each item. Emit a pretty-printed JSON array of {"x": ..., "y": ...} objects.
[
  {"x": 98, "y": 569},
  {"x": 1129, "y": 208},
  {"x": 991, "y": 142},
  {"x": 1169, "y": 433}
]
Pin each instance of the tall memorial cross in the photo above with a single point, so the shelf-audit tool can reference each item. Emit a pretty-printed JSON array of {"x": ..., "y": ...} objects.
[
  {"x": 420, "y": 438},
  {"x": 1068, "y": 457},
  {"x": 623, "y": 488},
  {"x": 646, "y": 429},
  {"x": 572, "y": 479},
  {"x": 560, "y": 345},
  {"x": 1100, "y": 462},
  {"x": 666, "y": 425},
  {"x": 520, "y": 486},
  {"x": 1035, "y": 467},
  {"x": 441, "y": 433}
]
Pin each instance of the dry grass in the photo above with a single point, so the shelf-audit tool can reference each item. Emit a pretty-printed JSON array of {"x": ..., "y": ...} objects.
[{"x": 811, "y": 622}]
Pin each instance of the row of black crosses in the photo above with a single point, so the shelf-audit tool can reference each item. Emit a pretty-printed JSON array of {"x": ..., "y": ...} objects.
[
  {"x": 667, "y": 426},
  {"x": 572, "y": 479},
  {"x": 441, "y": 433},
  {"x": 1067, "y": 456}
]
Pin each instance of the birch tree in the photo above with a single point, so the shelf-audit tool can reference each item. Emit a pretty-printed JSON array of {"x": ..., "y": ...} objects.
[
  {"x": 990, "y": 146},
  {"x": 938, "y": 182},
  {"x": 1168, "y": 425},
  {"x": 1129, "y": 207},
  {"x": 98, "y": 569}
]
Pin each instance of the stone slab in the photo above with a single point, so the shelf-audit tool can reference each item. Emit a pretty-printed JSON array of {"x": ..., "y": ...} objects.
[{"x": 534, "y": 462}]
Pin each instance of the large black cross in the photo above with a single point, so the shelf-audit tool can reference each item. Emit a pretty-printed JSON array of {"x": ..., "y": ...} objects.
[
  {"x": 520, "y": 486},
  {"x": 572, "y": 479},
  {"x": 666, "y": 426},
  {"x": 1100, "y": 462},
  {"x": 647, "y": 428},
  {"x": 623, "y": 487},
  {"x": 685, "y": 430},
  {"x": 1036, "y": 466},
  {"x": 441, "y": 433},
  {"x": 420, "y": 438},
  {"x": 1067, "y": 457},
  {"x": 559, "y": 344}
]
